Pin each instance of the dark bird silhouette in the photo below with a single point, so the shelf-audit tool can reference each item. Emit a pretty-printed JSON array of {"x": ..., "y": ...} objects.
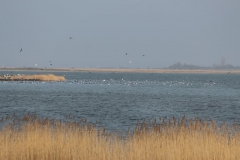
[
  {"x": 143, "y": 55},
  {"x": 70, "y": 38},
  {"x": 51, "y": 64},
  {"x": 126, "y": 53},
  {"x": 21, "y": 50}
]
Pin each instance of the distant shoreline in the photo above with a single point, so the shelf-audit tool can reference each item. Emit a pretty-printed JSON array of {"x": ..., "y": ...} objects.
[{"x": 122, "y": 70}]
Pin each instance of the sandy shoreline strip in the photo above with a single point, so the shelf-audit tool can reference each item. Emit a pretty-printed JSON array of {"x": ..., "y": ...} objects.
[{"x": 115, "y": 70}]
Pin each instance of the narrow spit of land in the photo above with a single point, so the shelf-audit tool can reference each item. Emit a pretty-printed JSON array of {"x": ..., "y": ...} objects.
[
  {"x": 126, "y": 70},
  {"x": 35, "y": 77}
]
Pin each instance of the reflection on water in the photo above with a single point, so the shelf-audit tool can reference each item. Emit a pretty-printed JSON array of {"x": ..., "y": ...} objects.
[{"x": 118, "y": 100}]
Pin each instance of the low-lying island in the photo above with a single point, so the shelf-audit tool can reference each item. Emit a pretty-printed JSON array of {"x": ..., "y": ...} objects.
[{"x": 35, "y": 77}]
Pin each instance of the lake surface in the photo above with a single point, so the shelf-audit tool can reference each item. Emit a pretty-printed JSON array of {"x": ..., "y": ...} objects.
[{"x": 118, "y": 100}]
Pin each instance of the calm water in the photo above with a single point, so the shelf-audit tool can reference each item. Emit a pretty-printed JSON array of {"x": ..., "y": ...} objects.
[{"x": 118, "y": 100}]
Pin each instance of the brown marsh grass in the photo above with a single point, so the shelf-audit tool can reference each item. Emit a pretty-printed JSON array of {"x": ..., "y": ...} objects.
[
  {"x": 38, "y": 77},
  {"x": 32, "y": 138}
]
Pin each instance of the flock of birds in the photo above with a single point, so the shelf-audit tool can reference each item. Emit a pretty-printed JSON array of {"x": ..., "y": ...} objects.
[
  {"x": 109, "y": 82},
  {"x": 50, "y": 62}
]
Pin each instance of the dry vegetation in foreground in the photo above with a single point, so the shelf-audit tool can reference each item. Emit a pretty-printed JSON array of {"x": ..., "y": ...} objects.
[
  {"x": 36, "y": 77},
  {"x": 33, "y": 138}
]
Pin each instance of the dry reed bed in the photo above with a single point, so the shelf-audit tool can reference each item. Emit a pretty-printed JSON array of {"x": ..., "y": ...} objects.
[
  {"x": 36, "y": 77},
  {"x": 33, "y": 138}
]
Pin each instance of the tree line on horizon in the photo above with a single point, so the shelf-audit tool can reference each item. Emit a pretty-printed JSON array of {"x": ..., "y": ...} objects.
[{"x": 189, "y": 66}]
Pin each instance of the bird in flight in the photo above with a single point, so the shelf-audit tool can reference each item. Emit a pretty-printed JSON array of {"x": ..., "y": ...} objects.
[
  {"x": 70, "y": 38},
  {"x": 21, "y": 50},
  {"x": 143, "y": 55}
]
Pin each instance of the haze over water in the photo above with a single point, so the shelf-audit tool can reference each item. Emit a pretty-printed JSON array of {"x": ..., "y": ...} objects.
[{"x": 118, "y": 100}]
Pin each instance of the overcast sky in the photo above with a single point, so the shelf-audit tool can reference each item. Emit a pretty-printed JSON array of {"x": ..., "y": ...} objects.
[{"x": 103, "y": 31}]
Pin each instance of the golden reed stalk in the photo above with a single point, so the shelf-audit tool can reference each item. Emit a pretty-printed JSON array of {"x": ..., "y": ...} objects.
[{"x": 33, "y": 138}]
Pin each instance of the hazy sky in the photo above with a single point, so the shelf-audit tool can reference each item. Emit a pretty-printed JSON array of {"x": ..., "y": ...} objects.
[{"x": 103, "y": 31}]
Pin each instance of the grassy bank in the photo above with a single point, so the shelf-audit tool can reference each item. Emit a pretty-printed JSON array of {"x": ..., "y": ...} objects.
[
  {"x": 35, "y": 77},
  {"x": 34, "y": 138}
]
